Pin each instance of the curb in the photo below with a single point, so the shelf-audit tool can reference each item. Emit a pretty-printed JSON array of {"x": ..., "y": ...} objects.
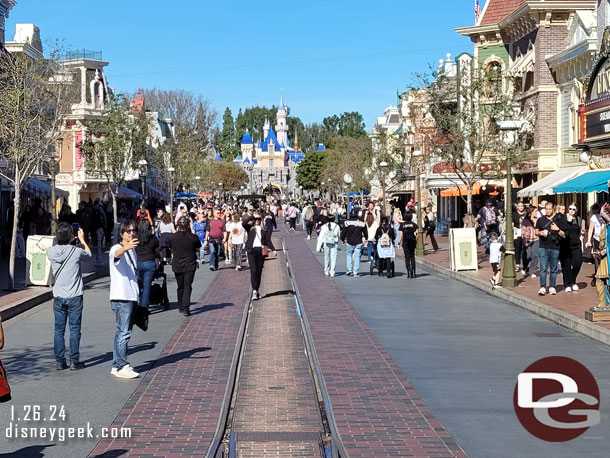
[
  {"x": 20, "y": 306},
  {"x": 567, "y": 320}
]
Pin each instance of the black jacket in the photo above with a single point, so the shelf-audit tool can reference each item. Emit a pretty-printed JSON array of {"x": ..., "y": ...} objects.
[
  {"x": 354, "y": 232},
  {"x": 248, "y": 225}
]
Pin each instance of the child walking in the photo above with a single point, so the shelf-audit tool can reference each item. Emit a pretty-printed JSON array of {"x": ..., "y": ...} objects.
[{"x": 495, "y": 259}]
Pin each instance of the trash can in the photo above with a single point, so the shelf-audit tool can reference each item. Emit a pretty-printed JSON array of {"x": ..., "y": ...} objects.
[{"x": 37, "y": 264}]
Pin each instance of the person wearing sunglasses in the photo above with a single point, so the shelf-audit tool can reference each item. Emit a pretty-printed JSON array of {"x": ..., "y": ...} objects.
[
  {"x": 570, "y": 253},
  {"x": 124, "y": 291}
]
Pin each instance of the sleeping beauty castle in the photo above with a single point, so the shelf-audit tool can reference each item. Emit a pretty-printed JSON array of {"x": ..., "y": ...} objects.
[{"x": 272, "y": 161}]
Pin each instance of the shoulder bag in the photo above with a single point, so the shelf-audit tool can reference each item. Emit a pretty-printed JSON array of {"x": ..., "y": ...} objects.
[{"x": 5, "y": 389}]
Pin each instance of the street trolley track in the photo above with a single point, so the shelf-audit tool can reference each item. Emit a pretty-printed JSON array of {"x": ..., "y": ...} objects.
[{"x": 228, "y": 433}]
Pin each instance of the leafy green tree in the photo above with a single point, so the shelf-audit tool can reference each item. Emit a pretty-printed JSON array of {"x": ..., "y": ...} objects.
[
  {"x": 228, "y": 146},
  {"x": 230, "y": 175},
  {"x": 253, "y": 119},
  {"x": 115, "y": 144},
  {"x": 310, "y": 170},
  {"x": 349, "y": 155}
]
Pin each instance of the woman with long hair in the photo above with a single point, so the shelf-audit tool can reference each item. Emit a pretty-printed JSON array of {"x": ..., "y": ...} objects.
[
  {"x": 254, "y": 247},
  {"x": 269, "y": 224},
  {"x": 164, "y": 231},
  {"x": 147, "y": 251},
  {"x": 531, "y": 243},
  {"x": 185, "y": 246},
  {"x": 371, "y": 230}
]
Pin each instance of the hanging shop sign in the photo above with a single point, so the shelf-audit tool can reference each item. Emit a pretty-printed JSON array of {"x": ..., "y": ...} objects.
[{"x": 597, "y": 100}]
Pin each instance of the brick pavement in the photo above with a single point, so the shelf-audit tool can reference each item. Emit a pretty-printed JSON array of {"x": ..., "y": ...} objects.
[
  {"x": 175, "y": 409},
  {"x": 276, "y": 411},
  {"x": 377, "y": 410},
  {"x": 574, "y": 303}
]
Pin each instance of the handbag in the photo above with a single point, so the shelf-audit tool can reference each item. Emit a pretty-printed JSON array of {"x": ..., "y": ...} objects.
[
  {"x": 5, "y": 389},
  {"x": 265, "y": 251}
]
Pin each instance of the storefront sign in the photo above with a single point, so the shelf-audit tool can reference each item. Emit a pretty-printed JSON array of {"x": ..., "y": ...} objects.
[
  {"x": 597, "y": 102},
  {"x": 64, "y": 179}
]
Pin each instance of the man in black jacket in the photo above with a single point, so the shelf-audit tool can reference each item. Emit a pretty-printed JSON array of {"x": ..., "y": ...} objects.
[{"x": 355, "y": 234}]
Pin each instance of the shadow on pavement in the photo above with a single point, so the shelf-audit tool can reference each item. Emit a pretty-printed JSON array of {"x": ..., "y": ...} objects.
[
  {"x": 34, "y": 451},
  {"x": 101, "y": 359},
  {"x": 173, "y": 358},
  {"x": 209, "y": 308},
  {"x": 279, "y": 293},
  {"x": 111, "y": 453}
]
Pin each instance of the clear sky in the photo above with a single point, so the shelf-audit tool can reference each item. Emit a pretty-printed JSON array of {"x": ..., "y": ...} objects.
[{"x": 328, "y": 56}]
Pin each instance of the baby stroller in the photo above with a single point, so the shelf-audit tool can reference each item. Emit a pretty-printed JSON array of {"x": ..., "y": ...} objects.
[
  {"x": 384, "y": 256},
  {"x": 158, "y": 288}
]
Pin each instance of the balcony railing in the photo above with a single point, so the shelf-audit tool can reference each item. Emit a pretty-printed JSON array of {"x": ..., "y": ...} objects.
[{"x": 83, "y": 54}]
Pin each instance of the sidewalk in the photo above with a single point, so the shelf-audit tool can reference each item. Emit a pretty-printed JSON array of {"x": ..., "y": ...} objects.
[
  {"x": 13, "y": 303},
  {"x": 565, "y": 309}
]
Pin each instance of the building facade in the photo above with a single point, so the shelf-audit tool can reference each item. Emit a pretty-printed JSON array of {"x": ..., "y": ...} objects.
[{"x": 5, "y": 9}]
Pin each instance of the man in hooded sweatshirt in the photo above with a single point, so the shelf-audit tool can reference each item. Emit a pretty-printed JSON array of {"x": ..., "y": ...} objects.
[{"x": 65, "y": 260}]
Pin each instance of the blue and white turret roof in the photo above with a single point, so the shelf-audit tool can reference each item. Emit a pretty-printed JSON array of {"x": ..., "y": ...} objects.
[
  {"x": 265, "y": 144},
  {"x": 246, "y": 161},
  {"x": 282, "y": 106},
  {"x": 247, "y": 139},
  {"x": 321, "y": 147}
]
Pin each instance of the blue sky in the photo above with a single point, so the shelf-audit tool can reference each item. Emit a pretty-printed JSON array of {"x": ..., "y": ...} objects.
[{"x": 328, "y": 56}]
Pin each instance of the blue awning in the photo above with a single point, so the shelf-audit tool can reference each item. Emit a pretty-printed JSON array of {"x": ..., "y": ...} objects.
[{"x": 589, "y": 182}]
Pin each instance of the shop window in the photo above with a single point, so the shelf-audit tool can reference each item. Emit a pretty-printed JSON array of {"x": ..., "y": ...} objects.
[{"x": 493, "y": 73}]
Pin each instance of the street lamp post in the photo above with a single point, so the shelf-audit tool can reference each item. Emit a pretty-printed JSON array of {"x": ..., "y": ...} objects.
[
  {"x": 53, "y": 166},
  {"x": 143, "y": 164},
  {"x": 348, "y": 180},
  {"x": 383, "y": 165},
  {"x": 509, "y": 130},
  {"x": 171, "y": 171},
  {"x": 420, "y": 247}
]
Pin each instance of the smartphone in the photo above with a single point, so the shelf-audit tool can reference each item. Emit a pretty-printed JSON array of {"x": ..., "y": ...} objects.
[{"x": 75, "y": 228}]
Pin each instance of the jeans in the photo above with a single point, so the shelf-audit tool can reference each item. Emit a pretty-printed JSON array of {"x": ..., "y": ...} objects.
[
  {"x": 70, "y": 310},
  {"x": 408, "y": 247},
  {"x": 309, "y": 226},
  {"x": 330, "y": 258},
  {"x": 215, "y": 247},
  {"x": 531, "y": 262},
  {"x": 184, "y": 281},
  {"x": 518, "y": 250},
  {"x": 99, "y": 235},
  {"x": 256, "y": 261},
  {"x": 353, "y": 257},
  {"x": 370, "y": 249},
  {"x": 146, "y": 271},
  {"x": 548, "y": 259},
  {"x": 238, "y": 249},
  {"x": 397, "y": 231},
  {"x": 122, "y": 311},
  {"x": 202, "y": 253}
]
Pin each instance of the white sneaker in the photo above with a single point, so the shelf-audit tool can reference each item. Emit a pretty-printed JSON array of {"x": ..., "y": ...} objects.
[
  {"x": 254, "y": 295},
  {"x": 542, "y": 291},
  {"x": 309, "y": 237},
  {"x": 522, "y": 272},
  {"x": 113, "y": 371},
  {"x": 127, "y": 372},
  {"x": 227, "y": 261},
  {"x": 575, "y": 288},
  {"x": 238, "y": 268},
  {"x": 568, "y": 289},
  {"x": 533, "y": 276},
  {"x": 326, "y": 273},
  {"x": 552, "y": 291}
]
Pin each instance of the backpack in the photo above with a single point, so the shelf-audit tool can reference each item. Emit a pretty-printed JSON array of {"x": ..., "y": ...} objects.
[
  {"x": 490, "y": 217},
  {"x": 384, "y": 240},
  {"x": 330, "y": 238}
]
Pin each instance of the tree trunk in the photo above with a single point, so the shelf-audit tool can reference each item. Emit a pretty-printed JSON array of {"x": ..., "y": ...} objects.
[
  {"x": 115, "y": 228},
  {"x": 16, "y": 202},
  {"x": 469, "y": 199}
]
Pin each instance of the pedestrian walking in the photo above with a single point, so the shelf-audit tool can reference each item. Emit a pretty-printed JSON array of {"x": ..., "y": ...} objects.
[
  {"x": 384, "y": 238},
  {"x": 549, "y": 233},
  {"x": 570, "y": 252},
  {"x": 185, "y": 246},
  {"x": 328, "y": 240},
  {"x": 164, "y": 231},
  {"x": 237, "y": 238},
  {"x": 489, "y": 220},
  {"x": 147, "y": 253},
  {"x": 269, "y": 223},
  {"x": 65, "y": 258},
  {"x": 430, "y": 227},
  {"x": 496, "y": 248},
  {"x": 355, "y": 235},
  {"x": 371, "y": 230},
  {"x": 518, "y": 217},
  {"x": 308, "y": 215},
  {"x": 530, "y": 243},
  {"x": 254, "y": 247},
  {"x": 200, "y": 228},
  {"x": 215, "y": 238},
  {"x": 291, "y": 215},
  {"x": 593, "y": 237},
  {"x": 396, "y": 221},
  {"x": 408, "y": 241},
  {"x": 124, "y": 291}
]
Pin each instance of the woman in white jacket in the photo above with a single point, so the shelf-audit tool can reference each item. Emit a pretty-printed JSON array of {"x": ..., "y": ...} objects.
[{"x": 330, "y": 235}]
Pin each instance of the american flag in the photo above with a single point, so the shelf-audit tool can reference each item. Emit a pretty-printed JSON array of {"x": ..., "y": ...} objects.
[{"x": 477, "y": 11}]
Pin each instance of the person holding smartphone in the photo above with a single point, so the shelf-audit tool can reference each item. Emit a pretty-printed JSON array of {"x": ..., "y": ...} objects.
[
  {"x": 549, "y": 233},
  {"x": 124, "y": 291}
]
